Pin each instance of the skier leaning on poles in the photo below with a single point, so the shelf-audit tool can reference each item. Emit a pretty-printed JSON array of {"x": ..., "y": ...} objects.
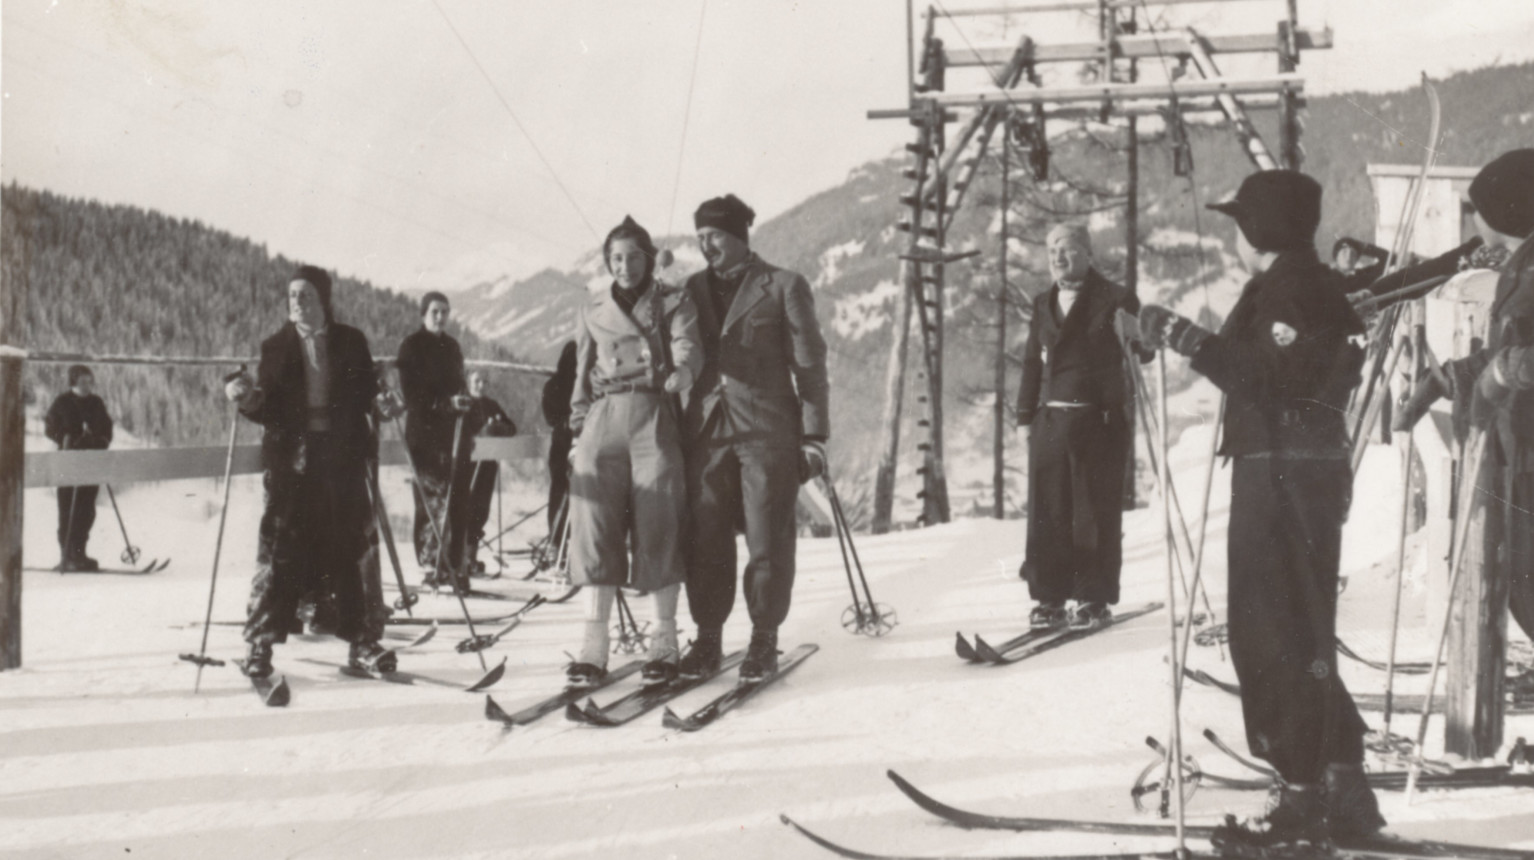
[
  {"x": 1286, "y": 359},
  {"x": 1493, "y": 387},
  {"x": 313, "y": 394}
]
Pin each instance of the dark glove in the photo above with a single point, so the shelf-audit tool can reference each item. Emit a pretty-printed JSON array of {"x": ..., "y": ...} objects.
[
  {"x": 1430, "y": 389},
  {"x": 1161, "y": 328},
  {"x": 812, "y": 460}
]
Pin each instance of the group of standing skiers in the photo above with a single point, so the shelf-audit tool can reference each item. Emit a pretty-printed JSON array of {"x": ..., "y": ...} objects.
[
  {"x": 695, "y": 412},
  {"x": 1287, "y": 359}
]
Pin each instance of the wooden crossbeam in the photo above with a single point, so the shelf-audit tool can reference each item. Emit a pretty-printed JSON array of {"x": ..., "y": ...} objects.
[
  {"x": 132, "y": 465},
  {"x": 1066, "y": 6},
  {"x": 1141, "y": 46},
  {"x": 1098, "y": 93},
  {"x": 1201, "y": 104},
  {"x": 40, "y": 357}
]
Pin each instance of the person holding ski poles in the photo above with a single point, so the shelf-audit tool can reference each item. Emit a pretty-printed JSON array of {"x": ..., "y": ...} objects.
[
  {"x": 1286, "y": 358},
  {"x": 313, "y": 394},
  {"x": 432, "y": 382},
  {"x": 637, "y": 348},
  {"x": 78, "y": 420},
  {"x": 484, "y": 418}
]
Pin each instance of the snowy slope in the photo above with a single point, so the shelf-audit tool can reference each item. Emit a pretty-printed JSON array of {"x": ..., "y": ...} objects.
[{"x": 105, "y": 752}]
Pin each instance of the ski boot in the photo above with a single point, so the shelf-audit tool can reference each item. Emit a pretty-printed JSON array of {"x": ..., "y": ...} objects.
[
  {"x": 1089, "y": 615},
  {"x": 761, "y": 656},
  {"x": 1048, "y": 615},
  {"x": 1296, "y": 818},
  {"x": 579, "y": 675},
  {"x": 258, "y": 660},
  {"x": 1351, "y": 808},
  {"x": 661, "y": 667},
  {"x": 372, "y": 657},
  {"x": 703, "y": 656}
]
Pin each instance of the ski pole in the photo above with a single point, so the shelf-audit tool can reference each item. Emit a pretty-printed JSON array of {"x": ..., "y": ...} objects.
[
  {"x": 1175, "y": 758},
  {"x": 841, "y": 543},
  {"x": 1406, "y": 487},
  {"x": 498, "y": 521},
  {"x": 131, "y": 553},
  {"x": 201, "y": 658},
  {"x": 442, "y": 549},
  {"x": 880, "y": 620},
  {"x": 511, "y": 528},
  {"x": 1475, "y": 448},
  {"x": 386, "y": 532}
]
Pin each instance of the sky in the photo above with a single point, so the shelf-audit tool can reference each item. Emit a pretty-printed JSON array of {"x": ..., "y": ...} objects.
[{"x": 434, "y": 143}]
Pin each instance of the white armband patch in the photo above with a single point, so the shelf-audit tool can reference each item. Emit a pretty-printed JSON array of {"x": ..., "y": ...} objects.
[{"x": 1283, "y": 335}]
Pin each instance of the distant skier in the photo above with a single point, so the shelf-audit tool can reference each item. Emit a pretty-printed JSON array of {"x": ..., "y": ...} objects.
[
  {"x": 313, "y": 393},
  {"x": 431, "y": 379},
  {"x": 638, "y": 346},
  {"x": 1076, "y": 395},
  {"x": 1348, "y": 259},
  {"x": 1287, "y": 358},
  {"x": 757, "y": 420},
  {"x": 78, "y": 420},
  {"x": 556, "y": 412},
  {"x": 484, "y": 418}
]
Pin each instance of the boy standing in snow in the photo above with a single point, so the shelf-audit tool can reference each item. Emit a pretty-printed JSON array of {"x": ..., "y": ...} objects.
[
  {"x": 1287, "y": 358},
  {"x": 313, "y": 394},
  {"x": 757, "y": 420},
  {"x": 78, "y": 420},
  {"x": 1076, "y": 393}
]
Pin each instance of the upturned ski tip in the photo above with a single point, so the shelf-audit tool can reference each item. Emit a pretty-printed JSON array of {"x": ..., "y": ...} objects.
[
  {"x": 491, "y": 678},
  {"x": 964, "y": 650},
  {"x": 496, "y": 714},
  {"x": 280, "y": 694}
]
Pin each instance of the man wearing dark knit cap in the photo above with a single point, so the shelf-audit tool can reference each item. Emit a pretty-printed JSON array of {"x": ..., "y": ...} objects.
[
  {"x": 1493, "y": 388},
  {"x": 1287, "y": 359},
  {"x": 313, "y": 395},
  {"x": 756, "y": 420}
]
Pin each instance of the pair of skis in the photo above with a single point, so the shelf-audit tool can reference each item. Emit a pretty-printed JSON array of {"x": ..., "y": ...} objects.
[
  {"x": 1035, "y": 642},
  {"x": 646, "y": 698},
  {"x": 1379, "y": 847},
  {"x": 154, "y": 565}
]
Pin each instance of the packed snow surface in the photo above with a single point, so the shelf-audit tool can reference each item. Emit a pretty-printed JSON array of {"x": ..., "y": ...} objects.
[{"x": 105, "y": 751}]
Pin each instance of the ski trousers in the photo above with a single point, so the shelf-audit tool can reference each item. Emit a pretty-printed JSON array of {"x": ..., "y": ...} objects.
[
  {"x": 1076, "y": 463},
  {"x": 77, "y": 513},
  {"x": 1286, "y": 519}
]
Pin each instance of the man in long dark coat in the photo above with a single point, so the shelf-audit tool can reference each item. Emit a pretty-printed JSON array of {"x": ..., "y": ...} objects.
[
  {"x": 757, "y": 420},
  {"x": 1287, "y": 358},
  {"x": 484, "y": 418},
  {"x": 78, "y": 420},
  {"x": 313, "y": 395},
  {"x": 1074, "y": 408},
  {"x": 431, "y": 379}
]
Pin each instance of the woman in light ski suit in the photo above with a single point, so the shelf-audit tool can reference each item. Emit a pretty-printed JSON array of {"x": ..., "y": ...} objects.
[{"x": 637, "y": 349}]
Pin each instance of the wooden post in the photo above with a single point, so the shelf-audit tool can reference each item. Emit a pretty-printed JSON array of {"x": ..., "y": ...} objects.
[
  {"x": 894, "y": 395},
  {"x": 1289, "y": 154},
  {"x": 13, "y": 430},
  {"x": 999, "y": 451},
  {"x": 935, "y": 483},
  {"x": 1477, "y": 651},
  {"x": 1131, "y": 264}
]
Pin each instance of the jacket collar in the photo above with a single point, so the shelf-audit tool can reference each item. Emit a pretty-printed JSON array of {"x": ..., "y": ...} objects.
[{"x": 752, "y": 291}]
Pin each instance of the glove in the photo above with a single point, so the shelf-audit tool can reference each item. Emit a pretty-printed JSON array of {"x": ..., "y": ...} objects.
[
  {"x": 812, "y": 460},
  {"x": 1161, "y": 328},
  {"x": 679, "y": 380},
  {"x": 390, "y": 406},
  {"x": 237, "y": 388},
  {"x": 1491, "y": 391},
  {"x": 1358, "y": 297},
  {"x": 1127, "y": 326},
  {"x": 460, "y": 402}
]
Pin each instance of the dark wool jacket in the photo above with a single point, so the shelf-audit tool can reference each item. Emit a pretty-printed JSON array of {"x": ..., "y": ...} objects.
[
  {"x": 282, "y": 406},
  {"x": 430, "y": 373},
  {"x": 1287, "y": 359},
  {"x": 1076, "y": 359},
  {"x": 76, "y": 422}
]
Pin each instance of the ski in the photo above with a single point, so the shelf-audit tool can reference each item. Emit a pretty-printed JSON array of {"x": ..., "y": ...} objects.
[
  {"x": 489, "y": 640},
  {"x": 644, "y": 699},
  {"x": 1052, "y": 639},
  {"x": 153, "y": 566},
  {"x": 478, "y": 594},
  {"x": 565, "y": 698},
  {"x": 854, "y": 854},
  {"x": 1364, "y": 701},
  {"x": 1379, "y": 846},
  {"x": 736, "y": 695},
  {"x": 1395, "y": 780},
  {"x": 404, "y": 679},
  {"x": 1402, "y": 668},
  {"x": 971, "y": 653},
  {"x": 274, "y": 693}
]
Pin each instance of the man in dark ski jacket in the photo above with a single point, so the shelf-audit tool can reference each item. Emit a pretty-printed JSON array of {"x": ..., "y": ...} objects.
[
  {"x": 431, "y": 379},
  {"x": 484, "y": 418},
  {"x": 756, "y": 423},
  {"x": 1287, "y": 358},
  {"x": 78, "y": 420},
  {"x": 556, "y": 412},
  {"x": 1074, "y": 408},
  {"x": 313, "y": 396}
]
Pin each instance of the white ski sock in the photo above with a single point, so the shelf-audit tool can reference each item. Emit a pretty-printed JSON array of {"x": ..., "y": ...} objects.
[
  {"x": 599, "y": 608},
  {"x": 663, "y": 644}
]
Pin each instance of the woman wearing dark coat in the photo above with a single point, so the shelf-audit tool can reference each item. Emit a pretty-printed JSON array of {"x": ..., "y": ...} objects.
[
  {"x": 431, "y": 379},
  {"x": 313, "y": 394}
]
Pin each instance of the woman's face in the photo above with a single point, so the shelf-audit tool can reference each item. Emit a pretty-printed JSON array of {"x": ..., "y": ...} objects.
[{"x": 628, "y": 263}]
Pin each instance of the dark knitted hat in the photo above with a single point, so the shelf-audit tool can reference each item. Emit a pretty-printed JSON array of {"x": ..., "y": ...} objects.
[
  {"x": 430, "y": 297},
  {"x": 727, "y": 213},
  {"x": 1503, "y": 192},
  {"x": 320, "y": 280},
  {"x": 78, "y": 370},
  {"x": 631, "y": 230},
  {"x": 1277, "y": 210}
]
